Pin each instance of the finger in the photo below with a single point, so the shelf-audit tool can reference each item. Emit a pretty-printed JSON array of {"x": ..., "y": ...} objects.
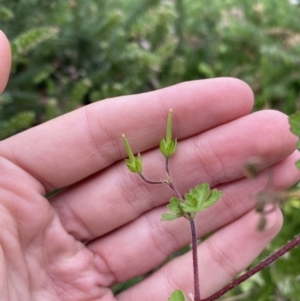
[
  {"x": 76, "y": 145},
  {"x": 147, "y": 241},
  {"x": 115, "y": 197},
  {"x": 5, "y": 61},
  {"x": 221, "y": 257}
]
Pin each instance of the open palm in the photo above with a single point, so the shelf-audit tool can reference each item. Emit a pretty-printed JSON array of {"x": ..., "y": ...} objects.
[{"x": 104, "y": 226}]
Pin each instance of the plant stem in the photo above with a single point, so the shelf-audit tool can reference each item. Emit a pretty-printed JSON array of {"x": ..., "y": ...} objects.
[
  {"x": 150, "y": 182},
  {"x": 266, "y": 262},
  {"x": 193, "y": 230},
  {"x": 195, "y": 261},
  {"x": 176, "y": 191},
  {"x": 170, "y": 183},
  {"x": 167, "y": 167},
  {"x": 193, "y": 239}
]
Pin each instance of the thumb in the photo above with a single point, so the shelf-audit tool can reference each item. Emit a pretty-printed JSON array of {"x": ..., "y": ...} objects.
[{"x": 5, "y": 61}]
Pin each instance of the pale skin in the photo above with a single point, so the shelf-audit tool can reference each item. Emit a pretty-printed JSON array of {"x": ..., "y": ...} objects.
[{"x": 105, "y": 227}]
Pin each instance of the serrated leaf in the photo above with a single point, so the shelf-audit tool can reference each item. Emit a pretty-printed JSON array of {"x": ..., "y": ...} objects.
[
  {"x": 196, "y": 200},
  {"x": 189, "y": 209},
  {"x": 200, "y": 198},
  {"x": 191, "y": 201},
  {"x": 177, "y": 295},
  {"x": 294, "y": 121},
  {"x": 168, "y": 216},
  {"x": 214, "y": 196},
  {"x": 175, "y": 206},
  {"x": 195, "y": 197},
  {"x": 202, "y": 191}
]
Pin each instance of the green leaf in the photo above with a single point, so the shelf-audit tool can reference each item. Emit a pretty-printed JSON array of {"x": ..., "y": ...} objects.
[
  {"x": 191, "y": 201},
  {"x": 177, "y": 295},
  {"x": 176, "y": 209},
  {"x": 168, "y": 216},
  {"x": 200, "y": 198},
  {"x": 200, "y": 191},
  {"x": 175, "y": 206},
  {"x": 294, "y": 121},
  {"x": 214, "y": 196},
  {"x": 189, "y": 209}
]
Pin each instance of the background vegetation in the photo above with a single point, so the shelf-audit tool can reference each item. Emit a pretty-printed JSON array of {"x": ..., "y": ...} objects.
[{"x": 70, "y": 53}]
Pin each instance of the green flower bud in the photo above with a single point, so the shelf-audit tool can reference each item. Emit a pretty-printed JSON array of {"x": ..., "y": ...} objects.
[
  {"x": 134, "y": 164},
  {"x": 168, "y": 149},
  {"x": 168, "y": 146},
  {"x": 169, "y": 127}
]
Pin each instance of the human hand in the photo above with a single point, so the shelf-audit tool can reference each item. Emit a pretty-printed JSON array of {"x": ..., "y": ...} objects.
[{"x": 105, "y": 227}]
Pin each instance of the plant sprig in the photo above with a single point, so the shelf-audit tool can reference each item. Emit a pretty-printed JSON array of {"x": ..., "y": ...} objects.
[
  {"x": 196, "y": 200},
  {"x": 202, "y": 197}
]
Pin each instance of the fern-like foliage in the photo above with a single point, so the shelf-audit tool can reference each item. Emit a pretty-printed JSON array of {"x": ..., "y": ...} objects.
[
  {"x": 6, "y": 14},
  {"x": 16, "y": 123},
  {"x": 30, "y": 39}
]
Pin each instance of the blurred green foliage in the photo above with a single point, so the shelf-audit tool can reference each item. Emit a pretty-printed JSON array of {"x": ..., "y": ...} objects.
[
  {"x": 67, "y": 54},
  {"x": 70, "y": 53}
]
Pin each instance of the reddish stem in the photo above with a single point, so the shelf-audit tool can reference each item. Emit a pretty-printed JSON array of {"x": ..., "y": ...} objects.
[
  {"x": 148, "y": 181},
  {"x": 266, "y": 262},
  {"x": 195, "y": 260}
]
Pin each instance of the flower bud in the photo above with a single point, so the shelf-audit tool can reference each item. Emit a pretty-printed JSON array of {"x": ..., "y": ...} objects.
[
  {"x": 168, "y": 146},
  {"x": 167, "y": 149},
  {"x": 134, "y": 164}
]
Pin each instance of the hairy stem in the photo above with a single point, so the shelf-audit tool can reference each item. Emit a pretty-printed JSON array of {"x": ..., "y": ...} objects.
[
  {"x": 266, "y": 262},
  {"x": 195, "y": 260}
]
